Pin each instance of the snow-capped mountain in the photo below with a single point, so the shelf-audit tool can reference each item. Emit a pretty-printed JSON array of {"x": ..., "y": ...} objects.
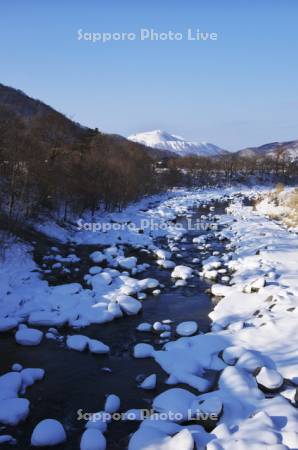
[{"x": 164, "y": 141}]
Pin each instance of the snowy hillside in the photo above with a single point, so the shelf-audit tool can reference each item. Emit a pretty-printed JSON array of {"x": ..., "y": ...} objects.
[
  {"x": 165, "y": 141},
  {"x": 288, "y": 149}
]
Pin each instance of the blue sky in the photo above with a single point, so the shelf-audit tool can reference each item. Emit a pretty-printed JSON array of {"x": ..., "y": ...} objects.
[{"x": 238, "y": 91}]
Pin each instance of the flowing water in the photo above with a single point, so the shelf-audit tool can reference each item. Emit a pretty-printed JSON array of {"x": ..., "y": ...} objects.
[{"x": 79, "y": 381}]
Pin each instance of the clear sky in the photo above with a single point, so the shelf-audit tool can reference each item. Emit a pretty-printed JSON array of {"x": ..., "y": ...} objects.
[{"x": 240, "y": 90}]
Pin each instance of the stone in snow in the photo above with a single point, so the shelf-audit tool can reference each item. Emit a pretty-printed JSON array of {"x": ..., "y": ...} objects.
[
  {"x": 182, "y": 272},
  {"x": 48, "y": 432},
  {"x": 269, "y": 378},
  {"x": 149, "y": 382},
  {"x": 93, "y": 439},
  {"x": 187, "y": 328},
  {"x": 112, "y": 404},
  {"x": 28, "y": 336},
  {"x": 143, "y": 350}
]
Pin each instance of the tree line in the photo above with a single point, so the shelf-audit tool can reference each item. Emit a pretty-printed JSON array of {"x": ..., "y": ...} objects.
[
  {"x": 231, "y": 168},
  {"x": 48, "y": 163}
]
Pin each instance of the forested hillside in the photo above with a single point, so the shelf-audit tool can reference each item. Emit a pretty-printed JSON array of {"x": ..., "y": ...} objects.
[{"x": 48, "y": 161}]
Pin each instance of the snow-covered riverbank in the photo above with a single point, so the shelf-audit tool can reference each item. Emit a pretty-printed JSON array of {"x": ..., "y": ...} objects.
[{"x": 252, "y": 345}]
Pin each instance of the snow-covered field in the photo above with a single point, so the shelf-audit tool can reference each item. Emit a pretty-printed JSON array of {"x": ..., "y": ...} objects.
[{"x": 251, "y": 349}]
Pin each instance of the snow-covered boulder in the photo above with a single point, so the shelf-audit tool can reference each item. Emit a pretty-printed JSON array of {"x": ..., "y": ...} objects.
[
  {"x": 48, "y": 432},
  {"x": 129, "y": 305},
  {"x": 7, "y": 323},
  {"x": 148, "y": 284},
  {"x": 98, "y": 347},
  {"x": 269, "y": 378},
  {"x": 28, "y": 336},
  {"x": 231, "y": 354},
  {"x": 10, "y": 384},
  {"x": 13, "y": 410},
  {"x": 210, "y": 274},
  {"x": 114, "y": 308},
  {"x": 93, "y": 439},
  {"x": 16, "y": 367},
  {"x": 220, "y": 290},
  {"x": 143, "y": 350},
  {"x": 144, "y": 327},
  {"x": 182, "y": 272},
  {"x": 175, "y": 402},
  {"x": 127, "y": 263},
  {"x": 77, "y": 342},
  {"x": 187, "y": 328},
  {"x": 94, "y": 270},
  {"x": 67, "y": 289},
  {"x": 209, "y": 404},
  {"x": 46, "y": 318},
  {"x": 30, "y": 376},
  {"x": 165, "y": 335},
  {"x": 180, "y": 283},
  {"x": 112, "y": 404},
  {"x": 254, "y": 285},
  {"x": 166, "y": 263},
  {"x": 97, "y": 257},
  {"x": 162, "y": 254},
  {"x": 149, "y": 382}
]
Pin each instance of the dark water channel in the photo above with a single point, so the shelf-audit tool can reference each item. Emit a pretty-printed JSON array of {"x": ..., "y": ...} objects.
[{"x": 76, "y": 380}]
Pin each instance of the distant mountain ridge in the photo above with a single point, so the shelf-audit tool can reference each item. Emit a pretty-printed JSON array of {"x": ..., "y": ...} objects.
[
  {"x": 288, "y": 149},
  {"x": 163, "y": 140}
]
